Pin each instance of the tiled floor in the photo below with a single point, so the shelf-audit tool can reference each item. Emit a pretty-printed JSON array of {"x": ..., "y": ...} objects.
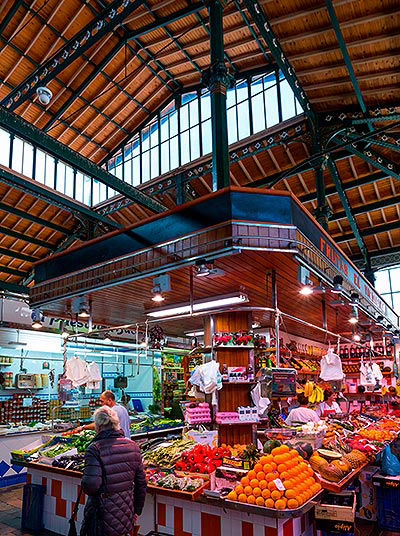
[{"x": 10, "y": 512}]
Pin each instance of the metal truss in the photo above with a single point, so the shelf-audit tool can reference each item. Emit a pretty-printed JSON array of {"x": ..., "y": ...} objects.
[
  {"x": 17, "y": 255},
  {"x": 19, "y": 127},
  {"x": 382, "y": 258},
  {"x": 103, "y": 23},
  {"x": 10, "y": 14},
  {"x": 349, "y": 212},
  {"x": 265, "y": 29},
  {"x": 370, "y": 231}
]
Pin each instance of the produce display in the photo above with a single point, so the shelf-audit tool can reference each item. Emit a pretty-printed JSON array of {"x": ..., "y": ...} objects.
[
  {"x": 202, "y": 459},
  {"x": 80, "y": 440},
  {"x": 281, "y": 480},
  {"x": 176, "y": 483},
  {"x": 73, "y": 463},
  {"x": 56, "y": 450},
  {"x": 167, "y": 456},
  {"x": 151, "y": 424}
]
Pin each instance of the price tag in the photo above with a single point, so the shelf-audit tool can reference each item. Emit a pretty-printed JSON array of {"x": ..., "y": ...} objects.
[{"x": 279, "y": 484}]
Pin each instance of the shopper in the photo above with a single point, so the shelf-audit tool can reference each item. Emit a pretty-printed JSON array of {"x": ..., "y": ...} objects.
[
  {"x": 108, "y": 399},
  {"x": 329, "y": 406},
  {"x": 126, "y": 402},
  {"x": 302, "y": 414},
  {"x": 113, "y": 478}
]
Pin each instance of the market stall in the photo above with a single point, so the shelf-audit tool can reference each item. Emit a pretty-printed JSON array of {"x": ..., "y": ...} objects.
[{"x": 256, "y": 273}]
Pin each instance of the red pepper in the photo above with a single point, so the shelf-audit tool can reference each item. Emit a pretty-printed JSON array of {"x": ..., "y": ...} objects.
[
  {"x": 181, "y": 466},
  {"x": 199, "y": 468},
  {"x": 210, "y": 468},
  {"x": 217, "y": 463}
]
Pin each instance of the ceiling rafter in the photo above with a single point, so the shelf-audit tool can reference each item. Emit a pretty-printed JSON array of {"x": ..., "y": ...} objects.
[
  {"x": 106, "y": 21},
  {"x": 34, "y": 219}
]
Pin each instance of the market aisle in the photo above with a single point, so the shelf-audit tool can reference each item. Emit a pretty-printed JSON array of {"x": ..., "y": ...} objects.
[{"x": 10, "y": 511}]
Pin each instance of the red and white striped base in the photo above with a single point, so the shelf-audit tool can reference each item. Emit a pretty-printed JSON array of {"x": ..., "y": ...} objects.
[{"x": 168, "y": 515}]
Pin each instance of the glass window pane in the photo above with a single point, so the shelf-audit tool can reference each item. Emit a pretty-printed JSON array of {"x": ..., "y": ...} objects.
[
  {"x": 271, "y": 107},
  {"x": 154, "y": 163},
  {"x": 174, "y": 152},
  {"x": 40, "y": 166},
  {"x": 5, "y": 147},
  {"x": 184, "y": 118},
  {"x": 50, "y": 171},
  {"x": 287, "y": 99},
  {"x": 205, "y": 107},
  {"x": 87, "y": 190},
  {"x": 269, "y": 80},
  {"x": 136, "y": 170},
  {"x": 243, "y": 119},
  {"x": 258, "y": 113},
  {"x": 27, "y": 165},
  {"x": 145, "y": 166},
  {"x": 79, "y": 187},
  {"x": 232, "y": 126},
  {"x": 128, "y": 171},
  {"x": 382, "y": 283},
  {"x": 173, "y": 124},
  {"x": 165, "y": 157},
  {"x": 185, "y": 148},
  {"x": 118, "y": 172},
  {"x": 395, "y": 279},
  {"x": 241, "y": 91},
  {"x": 69, "y": 181},
  {"x": 194, "y": 143},
  {"x": 60, "y": 184},
  {"x": 18, "y": 149},
  {"x": 103, "y": 192},
  {"x": 154, "y": 135},
  {"x": 396, "y": 302},
  {"x": 145, "y": 139},
  {"x": 96, "y": 192},
  {"x": 164, "y": 128},
  {"x": 256, "y": 86},
  {"x": 194, "y": 112},
  {"x": 206, "y": 135},
  {"x": 230, "y": 97}
]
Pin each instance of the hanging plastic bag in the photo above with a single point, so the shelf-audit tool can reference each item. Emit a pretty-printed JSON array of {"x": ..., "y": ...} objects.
[{"x": 390, "y": 463}]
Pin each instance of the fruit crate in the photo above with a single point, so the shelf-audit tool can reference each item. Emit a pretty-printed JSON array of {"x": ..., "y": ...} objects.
[{"x": 387, "y": 502}]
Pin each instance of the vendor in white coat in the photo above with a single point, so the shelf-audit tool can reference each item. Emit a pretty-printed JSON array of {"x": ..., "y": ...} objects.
[
  {"x": 303, "y": 414},
  {"x": 329, "y": 406}
]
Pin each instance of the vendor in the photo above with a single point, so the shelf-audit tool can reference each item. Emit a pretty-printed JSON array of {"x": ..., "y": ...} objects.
[
  {"x": 302, "y": 414},
  {"x": 329, "y": 406}
]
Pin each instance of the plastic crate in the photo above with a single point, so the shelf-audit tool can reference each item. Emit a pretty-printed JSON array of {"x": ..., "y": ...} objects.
[
  {"x": 387, "y": 502},
  {"x": 32, "y": 507}
]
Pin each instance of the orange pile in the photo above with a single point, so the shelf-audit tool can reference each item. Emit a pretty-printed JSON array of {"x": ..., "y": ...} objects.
[{"x": 258, "y": 486}]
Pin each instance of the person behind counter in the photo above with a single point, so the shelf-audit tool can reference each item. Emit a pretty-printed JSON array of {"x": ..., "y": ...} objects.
[
  {"x": 113, "y": 478},
  {"x": 302, "y": 414},
  {"x": 108, "y": 399},
  {"x": 329, "y": 406}
]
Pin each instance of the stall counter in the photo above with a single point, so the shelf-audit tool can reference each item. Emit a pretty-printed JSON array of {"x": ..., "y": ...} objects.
[
  {"x": 11, "y": 474},
  {"x": 164, "y": 512}
]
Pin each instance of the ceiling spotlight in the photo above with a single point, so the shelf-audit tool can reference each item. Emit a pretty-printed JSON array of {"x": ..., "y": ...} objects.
[
  {"x": 107, "y": 337},
  {"x": 356, "y": 337},
  {"x": 353, "y": 318},
  {"x": 354, "y": 299},
  {"x": 37, "y": 319},
  {"x": 337, "y": 284},
  {"x": 44, "y": 95},
  {"x": 84, "y": 308},
  {"x": 255, "y": 325},
  {"x": 306, "y": 290},
  {"x": 204, "y": 269},
  {"x": 379, "y": 320},
  {"x": 158, "y": 297},
  {"x": 143, "y": 343}
]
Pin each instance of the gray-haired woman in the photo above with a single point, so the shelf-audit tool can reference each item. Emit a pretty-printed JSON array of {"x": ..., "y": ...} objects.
[{"x": 113, "y": 478}]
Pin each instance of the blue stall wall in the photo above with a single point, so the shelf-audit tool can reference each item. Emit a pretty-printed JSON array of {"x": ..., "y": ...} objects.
[{"x": 140, "y": 384}]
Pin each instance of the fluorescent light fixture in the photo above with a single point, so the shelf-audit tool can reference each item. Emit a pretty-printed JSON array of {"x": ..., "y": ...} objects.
[
  {"x": 337, "y": 284},
  {"x": 203, "y": 305},
  {"x": 199, "y": 333}
]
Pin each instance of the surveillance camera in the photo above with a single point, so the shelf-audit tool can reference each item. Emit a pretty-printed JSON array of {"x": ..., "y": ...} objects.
[{"x": 44, "y": 95}]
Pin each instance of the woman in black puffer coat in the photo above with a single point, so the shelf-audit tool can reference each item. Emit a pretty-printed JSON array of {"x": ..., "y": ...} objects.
[{"x": 113, "y": 478}]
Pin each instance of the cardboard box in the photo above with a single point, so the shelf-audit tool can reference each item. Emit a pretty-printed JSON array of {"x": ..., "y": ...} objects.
[
  {"x": 366, "y": 500},
  {"x": 336, "y": 517}
]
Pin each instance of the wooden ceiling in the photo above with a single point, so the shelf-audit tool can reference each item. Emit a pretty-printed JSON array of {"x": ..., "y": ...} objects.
[
  {"x": 128, "y": 302},
  {"x": 141, "y": 76}
]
